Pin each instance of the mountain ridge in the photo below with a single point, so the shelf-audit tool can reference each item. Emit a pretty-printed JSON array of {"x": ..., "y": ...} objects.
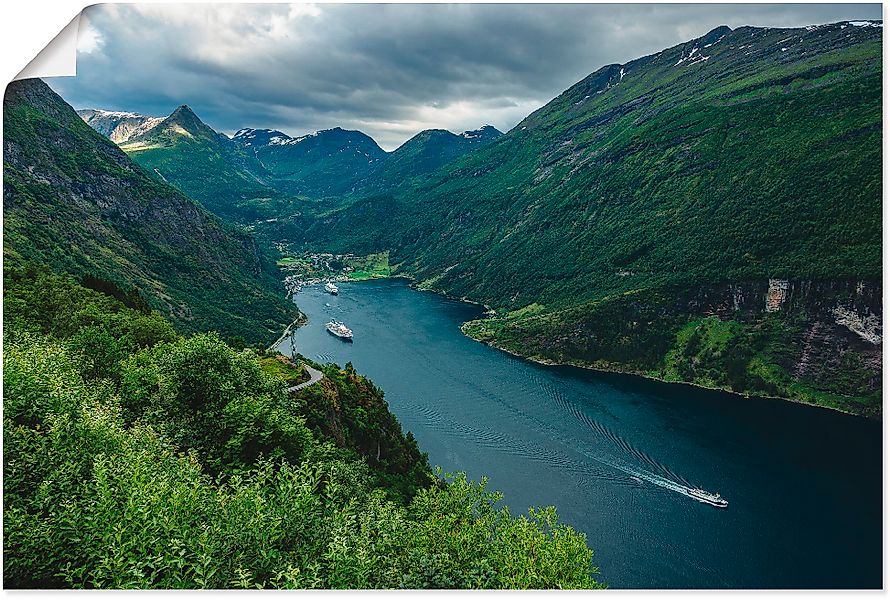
[
  {"x": 256, "y": 168},
  {"x": 204, "y": 164},
  {"x": 118, "y": 126},
  {"x": 75, "y": 201}
]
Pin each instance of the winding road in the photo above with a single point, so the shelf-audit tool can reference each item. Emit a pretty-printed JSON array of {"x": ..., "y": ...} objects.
[{"x": 314, "y": 377}]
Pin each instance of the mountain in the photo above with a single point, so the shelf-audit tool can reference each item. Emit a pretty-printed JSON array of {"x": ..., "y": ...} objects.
[
  {"x": 322, "y": 164},
  {"x": 338, "y": 161},
  {"x": 118, "y": 126},
  {"x": 422, "y": 154},
  {"x": 710, "y": 213},
  {"x": 73, "y": 200},
  {"x": 483, "y": 135},
  {"x": 209, "y": 167},
  {"x": 260, "y": 137},
  {"x": 260, "y": 173}
]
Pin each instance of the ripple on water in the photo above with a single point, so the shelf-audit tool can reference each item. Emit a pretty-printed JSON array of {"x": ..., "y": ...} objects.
[{"x": 611, "y": 452}]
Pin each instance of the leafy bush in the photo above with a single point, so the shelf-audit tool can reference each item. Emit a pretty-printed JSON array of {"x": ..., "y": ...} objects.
[{"x": 158, "y": 461}]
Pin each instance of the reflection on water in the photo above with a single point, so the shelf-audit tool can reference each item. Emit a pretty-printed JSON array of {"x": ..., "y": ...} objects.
[{"x": 615, "y": 454}]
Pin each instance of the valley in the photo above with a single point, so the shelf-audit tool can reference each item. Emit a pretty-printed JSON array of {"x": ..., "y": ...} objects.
[{"x": 633, "y": 223}]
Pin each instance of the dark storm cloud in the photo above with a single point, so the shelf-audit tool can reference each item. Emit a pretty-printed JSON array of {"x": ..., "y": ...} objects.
[{"x": 389, "y": 70}]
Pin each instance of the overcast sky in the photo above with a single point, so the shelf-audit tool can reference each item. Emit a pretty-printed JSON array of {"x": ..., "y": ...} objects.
[{"x": 388, "y": 70}]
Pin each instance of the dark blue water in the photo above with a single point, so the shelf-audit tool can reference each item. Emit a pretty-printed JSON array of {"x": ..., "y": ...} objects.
[{"x": 610, "y": 451}]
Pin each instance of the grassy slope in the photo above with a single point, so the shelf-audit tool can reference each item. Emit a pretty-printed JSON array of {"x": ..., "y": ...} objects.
[
  {"x": 326, "y": 164},
  {"x": 422, "y": 154},
  {"x": 254, "y": 183},
  {"x": 74, "y": 201}
]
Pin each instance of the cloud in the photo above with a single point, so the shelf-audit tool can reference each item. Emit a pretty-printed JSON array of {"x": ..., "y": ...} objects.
[
  {"x": 389, "y": 70},
  {"x": 88, "y": 39}
]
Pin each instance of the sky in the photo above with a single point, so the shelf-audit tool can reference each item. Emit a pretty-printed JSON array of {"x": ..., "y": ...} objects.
[{"x": 389, "y": 70}]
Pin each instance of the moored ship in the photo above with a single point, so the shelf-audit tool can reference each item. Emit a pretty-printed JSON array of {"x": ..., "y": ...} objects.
[
  {"x": 340, "y": 330},
  {"x": 332, "y": 289},
  {"x": 707, "y": 497}
]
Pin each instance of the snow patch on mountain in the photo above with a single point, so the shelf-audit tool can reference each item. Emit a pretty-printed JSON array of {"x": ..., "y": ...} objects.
[{"x": 118, "y": 126}]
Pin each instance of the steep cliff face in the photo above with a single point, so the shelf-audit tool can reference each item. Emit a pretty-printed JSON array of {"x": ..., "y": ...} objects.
[
  {"x": 757, "y": 298},
  {"x": 834, "y": 326},
  {"x": 75, "y": 201}
]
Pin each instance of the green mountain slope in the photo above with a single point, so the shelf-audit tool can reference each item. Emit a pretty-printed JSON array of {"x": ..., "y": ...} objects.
[
  {"x": 183, "y": 151},
  {"x": 74, "y": 201},
  {"x": 740, "y": 156},
  {"x": 263, "y": 174},
  {"x": 324, "y": 164},
  {"x": 424, "y": 153}
]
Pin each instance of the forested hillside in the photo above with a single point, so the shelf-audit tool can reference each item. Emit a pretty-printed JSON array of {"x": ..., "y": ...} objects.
[
  {"x": 324, "y": 164},
  {"x": 75, "y": 201},
  {"x": 137, "y": 458},
  {"x": 738, "y": 157},
  {"x": 260, "y": 176},
  {"x": 424, "y": 153}
]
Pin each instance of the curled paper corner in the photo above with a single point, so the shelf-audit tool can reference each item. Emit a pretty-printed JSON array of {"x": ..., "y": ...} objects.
[{"x": 59, "y": 57}]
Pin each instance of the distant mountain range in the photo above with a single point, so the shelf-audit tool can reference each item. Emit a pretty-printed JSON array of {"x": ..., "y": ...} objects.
[
  {"x": 710, "y": 213},
  {"x": 231, "y": 177}
]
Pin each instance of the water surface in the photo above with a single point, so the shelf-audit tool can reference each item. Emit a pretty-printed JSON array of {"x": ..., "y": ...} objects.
[{"x": 612, "y": 451}]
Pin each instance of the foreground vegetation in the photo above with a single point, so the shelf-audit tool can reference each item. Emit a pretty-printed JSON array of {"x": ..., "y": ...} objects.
[{"x": 138, "y": 458}]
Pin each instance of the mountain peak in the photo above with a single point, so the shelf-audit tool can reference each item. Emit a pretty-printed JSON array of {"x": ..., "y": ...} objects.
[
  {"x": 185, "y": 118},
  {"x": 260, "y": 137},
  {"x": 715, "y": 34},
  {"x": 485, "y": 133},
  {"x": 184, "y": 115},
  {"x": 118, "y": 126}
]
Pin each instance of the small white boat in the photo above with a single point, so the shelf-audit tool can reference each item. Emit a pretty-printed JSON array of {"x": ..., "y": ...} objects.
[
  {"x": 707, "y": 497},
  {"x": 330, "y": 288}
]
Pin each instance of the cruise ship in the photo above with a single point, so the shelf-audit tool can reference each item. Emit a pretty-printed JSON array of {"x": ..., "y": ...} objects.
[
  {"x": 330, "y": 288},
  {"x": 707, "y": 498},
  {"x": 340, "y": 330}
]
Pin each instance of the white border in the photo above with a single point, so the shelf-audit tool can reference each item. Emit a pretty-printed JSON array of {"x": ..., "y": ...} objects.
[{"x": 27, "y": 27}]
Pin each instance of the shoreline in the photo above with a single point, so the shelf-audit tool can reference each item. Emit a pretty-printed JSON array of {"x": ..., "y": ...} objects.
[
  {"x": 578, "y": 365},
  {"x": 587, "y": 367},
  {"x": 299, "y": 322}
]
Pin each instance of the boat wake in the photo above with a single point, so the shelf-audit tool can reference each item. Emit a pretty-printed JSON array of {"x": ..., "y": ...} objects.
[{"x": 650, "y": 471}]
